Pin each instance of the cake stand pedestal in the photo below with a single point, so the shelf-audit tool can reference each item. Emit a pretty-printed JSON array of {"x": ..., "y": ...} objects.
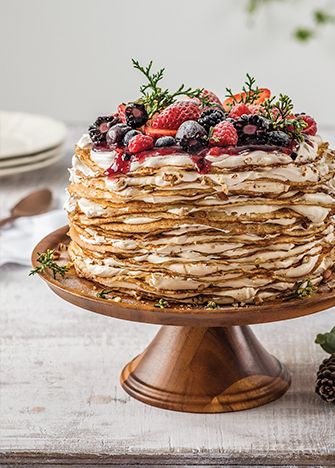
[{"x": 201, "y": 360}]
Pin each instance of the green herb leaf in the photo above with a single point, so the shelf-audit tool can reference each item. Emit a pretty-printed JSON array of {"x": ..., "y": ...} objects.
[
  {"x": 211, "y": 305},
  {"x": 162, "y": 303},
  {"x": 47, "y": 261},
  {"x": 102, "y": 294},
  {"x": 327, "y": 341},
  {"x": 155, "y": 98},
  {"x": 304, "y": 34}
]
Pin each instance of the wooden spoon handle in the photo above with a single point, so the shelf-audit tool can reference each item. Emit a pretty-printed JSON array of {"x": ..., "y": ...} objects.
[{"x": 7, "y": 220}]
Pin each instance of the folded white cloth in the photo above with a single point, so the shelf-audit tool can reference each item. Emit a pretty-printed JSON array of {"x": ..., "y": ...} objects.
[{"x": 18, "y": 239}]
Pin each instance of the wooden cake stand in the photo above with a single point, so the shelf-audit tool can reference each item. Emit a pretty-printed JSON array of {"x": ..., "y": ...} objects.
[{"x": 201, "y": 360}]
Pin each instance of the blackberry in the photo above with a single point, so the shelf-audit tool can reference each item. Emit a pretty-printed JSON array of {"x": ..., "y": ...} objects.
[
  {"x": 278, "y": 138},
  {"x": 116, "y": 133},
  {"x": 129, "y": 135},
  {"x": 191, "y": 136},
  {"x": 165, "y": 141},
  {"x": 252, "y": 129},
  {"x": 136, "y": 115},
  {"x": 210, "y": 117},
  {"x": 98, "y": 130}
]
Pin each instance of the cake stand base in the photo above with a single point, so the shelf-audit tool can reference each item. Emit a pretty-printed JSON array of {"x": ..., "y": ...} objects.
[{"x": 205, "y": 370}]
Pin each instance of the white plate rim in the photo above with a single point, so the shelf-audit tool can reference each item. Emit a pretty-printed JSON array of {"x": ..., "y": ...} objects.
[
  {"x": 56, "y": 133},
  {"x": 32, "y": 167},
  {"x": 28, "y": 160}
]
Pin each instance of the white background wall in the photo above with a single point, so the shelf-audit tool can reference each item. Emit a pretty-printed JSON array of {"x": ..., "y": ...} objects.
[{"x": 71, "y": 58}]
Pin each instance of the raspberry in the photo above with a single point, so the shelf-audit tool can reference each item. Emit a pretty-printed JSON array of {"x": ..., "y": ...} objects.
[
  {"x": 238, "y": 110},
  {"x": 140, "y": 143},
  {"x": 175, "y": 114},
  {"x": 311, "y": 128},
  {"x": 224, "y": 134},
  {"x": 121, "y": 110}
]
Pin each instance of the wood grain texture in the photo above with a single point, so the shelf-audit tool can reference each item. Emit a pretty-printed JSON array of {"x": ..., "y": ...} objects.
[{"x": 60, "y": 402}]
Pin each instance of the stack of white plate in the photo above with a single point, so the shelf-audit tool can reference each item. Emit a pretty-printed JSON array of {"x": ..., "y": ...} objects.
[{"x": 29, "y": 142}]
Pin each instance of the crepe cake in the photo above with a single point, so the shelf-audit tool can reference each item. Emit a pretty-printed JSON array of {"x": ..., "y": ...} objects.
[{"x": 184, "y": 198}]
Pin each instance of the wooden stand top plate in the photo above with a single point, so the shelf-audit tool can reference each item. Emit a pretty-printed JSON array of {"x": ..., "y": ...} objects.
[{"x": 82, "y": 293}]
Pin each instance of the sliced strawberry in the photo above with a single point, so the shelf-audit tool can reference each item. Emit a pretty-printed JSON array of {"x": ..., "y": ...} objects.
[
  {"x": 239, "y": 97},
  {"x": 158, "y": 132}
]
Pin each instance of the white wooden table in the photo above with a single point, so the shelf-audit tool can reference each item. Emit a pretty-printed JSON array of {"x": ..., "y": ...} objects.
[{"x": 61, "y": 402}]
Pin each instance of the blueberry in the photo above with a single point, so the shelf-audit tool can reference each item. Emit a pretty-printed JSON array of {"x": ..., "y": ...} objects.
[
  {"x": 116, "y": 133},
  {"x": 278, "y": 138},
  {"x": 129, "y": 135},
  {"x": 165, "y": 141},
  {"x": 191, "y": 136}
]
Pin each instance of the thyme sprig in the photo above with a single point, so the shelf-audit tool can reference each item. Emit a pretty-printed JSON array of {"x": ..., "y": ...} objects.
[
  {"x": 103, "y": 294},
  {"x": 303, "y": 289},
  {"x": 211, "y": 305},
  {"x": 162, "y": 303},
  {"x": 154, "y": 97},
  {"x": 280, "y": 113},
  {"x": 250, "y": 92},
  {"x": 47, "y": 262}
]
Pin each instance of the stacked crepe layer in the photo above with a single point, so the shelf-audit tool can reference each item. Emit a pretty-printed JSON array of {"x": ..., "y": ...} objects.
[{"x": 251, "y": 229}]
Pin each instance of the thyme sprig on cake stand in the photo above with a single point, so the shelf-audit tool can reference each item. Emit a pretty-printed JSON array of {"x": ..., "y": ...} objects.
[
  {"x": 154, "y": 97},
  {"x": 47, "y": 262}
]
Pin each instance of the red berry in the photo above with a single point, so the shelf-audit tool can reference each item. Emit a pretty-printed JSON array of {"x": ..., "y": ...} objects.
[
  {"x": 255, "y": 109},
  {"x": 238, "y": 110},
  {"x": 263, "y": 95},
  {"x": 121, "y": 110},
  {"x": 211, "y": 97},
  {"x": 311, "y": 128},
  {"x": 140, "y": 143},
  {"x": 224, "y": 134},
  {"x": 174, "y": 115}
]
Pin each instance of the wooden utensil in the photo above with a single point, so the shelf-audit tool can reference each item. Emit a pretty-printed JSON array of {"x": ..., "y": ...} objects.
[
  {"x": 35, "y": 203},
  {"x": 204, "y": 361}
]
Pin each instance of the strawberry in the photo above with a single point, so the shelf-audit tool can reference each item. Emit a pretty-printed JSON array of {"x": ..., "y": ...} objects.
[
  {"x": 174, "y": 115},
  {"x": 311, "y": 128},
  {"x": 229, "y": 102},
  {"x": 140, "y": 143},
  {"x": 158, "y": 132},
  {"x": 224, "y": 134},
  {"x": 121, "y": 110},
  {"x": 255, "y": 109},
  {"x": 238, "y": 110},
  {"x": 211, "y": 97}
]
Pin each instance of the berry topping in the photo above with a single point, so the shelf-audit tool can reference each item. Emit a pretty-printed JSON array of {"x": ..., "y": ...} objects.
[
  {"x": 129, "y": 135},
  {"x": 210, "y": 117},
  {"x": 252, "y": 129},
  {"x": 165, "y": 141},
  {"x": 140, "y": 143},
  {"x": 224, "y": 134},
  {"x": 278, "y": 138},
  {"x": 136, "y": 115},
  {"x": 99, "y": 129},
  {"x": 238, "y": 110},
  {"x": 191, "y": 136},
  {"x": 175, "y": 114},
  {"x": 121, "y": 113},
  {"x": 116, "y": 133},
  {"x": 255, "y": 109},
  {"x": 311, "y": 128}
]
